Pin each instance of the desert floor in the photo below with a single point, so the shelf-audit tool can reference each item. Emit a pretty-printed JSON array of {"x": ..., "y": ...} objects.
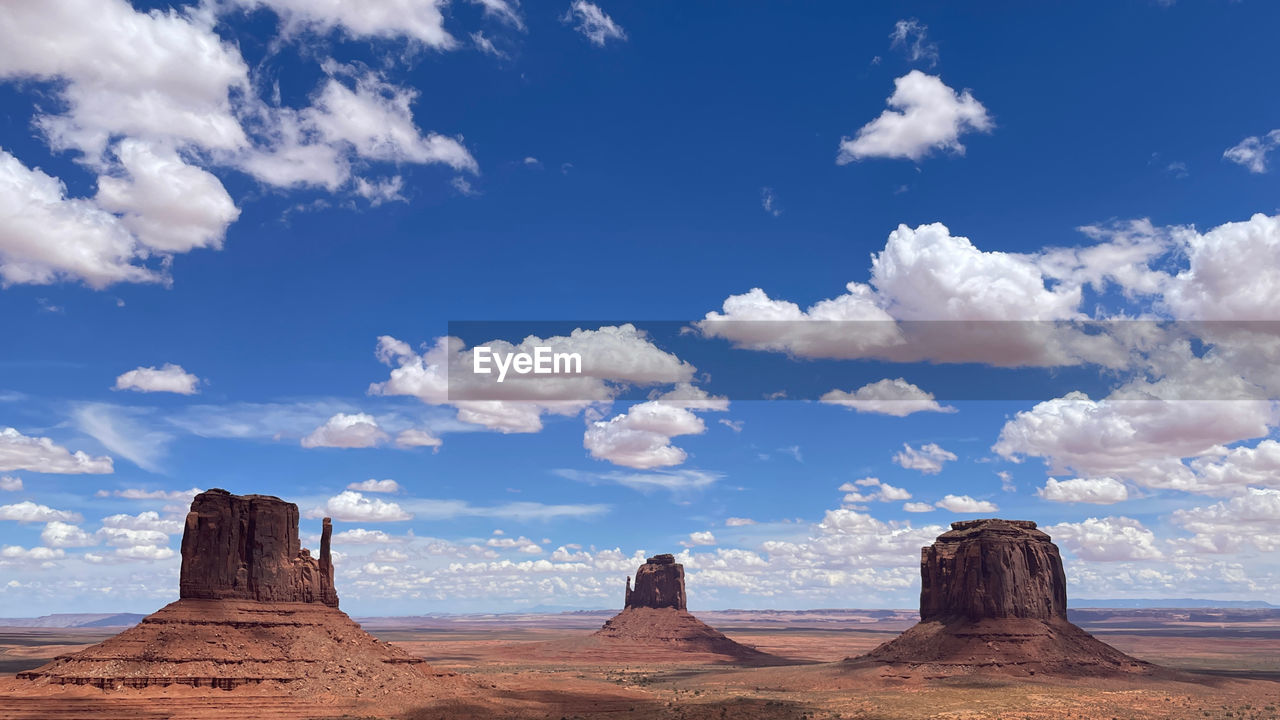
[{"x": 1232, "y": 659}]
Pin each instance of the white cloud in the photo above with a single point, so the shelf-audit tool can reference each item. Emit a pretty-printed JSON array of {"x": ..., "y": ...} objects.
[
  {"x": 10, "y": 484},
  {"x": 1252, "y": 152},
  {"x": 149, "y": 521},
  {"x": 769, "y": 201},
  {"x": 887, "y": 397},
  {"x": 924, "y": 115},
  {"x": 593, "y": 23},
  {"x": 912, "y": 36},
  {"x": 928, "y": 459},
  {"x": 486, "y": 46},
  {"x": 351, "y": 506},
  {"x": 168, "y": 205},
  {"x": 674, "y": 481},
  {"x": 59, "y": 534},
  {"x": 738, "y": 522},
  {"x": 346, "y": 431},
  {"x": 872, "y": 489},
  {"x": 140, "y": 494},
  {"x": 917, "y": 507},
  {"x": 37, "y": 454},
  {"x": 503, "y": 11},
  {"x": 169, "y": 378},
  {"x": 124, "y": 537},
  {"x": 444, "y": 375},
  {"x": 414, "y": 437},
  {"x": 120, "y": 430},
  {"x": 378, "y": 192},
  {"x": 1097, "y": 491},
  {"x": 700, "y": 538},
  {"x": 1107, "y": 539},
  {"x": 376, "y": 486},
  {"x": 46, "y": 236},
  {"x": 27, "y": 511},
  {"x": 966, "y": 504},
  {"x": 1223, "y": 280},
  {"x": 419, "y": 20},
  {"x": 1139, "y": 437},
  {"x": 641, "y": 437},
  {"x": 361, "y": 536},
  {"x": 521, "y": 544},
  {"x": 1250, "y": 519},
  {"x": 15, "y": 555}
]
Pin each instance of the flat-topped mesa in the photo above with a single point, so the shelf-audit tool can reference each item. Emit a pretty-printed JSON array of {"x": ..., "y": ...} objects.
[
  {"x": 659, "y": 584},
  {"x": 246, "y": 547},
  {"x": 991, "y": 569}
]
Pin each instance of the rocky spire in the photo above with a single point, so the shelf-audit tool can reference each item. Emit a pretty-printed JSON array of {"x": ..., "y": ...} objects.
[
  {"x": 246, "y": 548},
  {"x": 659, "y": 584}
]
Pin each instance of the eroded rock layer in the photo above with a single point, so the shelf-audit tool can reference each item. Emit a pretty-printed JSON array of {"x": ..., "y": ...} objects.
[
  {"x": 659, "y": 584},
  {"x": 245, "y": 547},
  {"x": 993, "y": 597},
  {"x": 229, "y": 643}
]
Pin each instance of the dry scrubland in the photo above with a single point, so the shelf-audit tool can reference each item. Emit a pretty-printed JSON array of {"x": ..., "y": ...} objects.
[{"x": 496, "y": 677}]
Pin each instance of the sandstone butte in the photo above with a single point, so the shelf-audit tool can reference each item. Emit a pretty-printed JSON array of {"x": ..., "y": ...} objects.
[
  {"x": 655, "y": 620},
  {"x": 993, "y": 597},
  {"x": 254, "y": 607}
]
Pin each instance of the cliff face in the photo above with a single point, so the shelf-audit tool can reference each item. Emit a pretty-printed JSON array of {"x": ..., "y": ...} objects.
[
  {"x": 245, "y": 547},
  {"x": 993, "y": 598},
  {"x": 990, "y": 569},
  {"x": 659, "y": 584}
]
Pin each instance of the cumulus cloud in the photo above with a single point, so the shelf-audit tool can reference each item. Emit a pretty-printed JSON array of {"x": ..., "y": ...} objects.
[
  {"x": 1140, "y": 439},
  {"x": 11, "y": 555},
  {"x": 38, "y": 454},
  {"x": 966, "y": 504},
  {"x": 697, "y": 539},
  {"x": 155, "y": 106},
  {"x": 887, "y": 397},
  {"x": 917, "y": 507},
  {"x": 58, "y": 534},
  {"x": 1107, "y": 539},
  {"x": 612, "y": 357},
  {"x": 928, "y": 459},
  {"x": 872, "y": 489},
  {"x": 1097, "y": 491},
  {"x": 357, "y": 430},
  {"x": 1252, "y": 151},
  {"x": 376, "y": 486},
  {"x": 641, "y": 437},
  {"x": 593, "y": 23},
  {"x": 413, "y": 437},
  {"x": 10, "y": 484},
  {"x": 924, "y": 115},
  {"x": 169, "y": 378},
  {"x": 149, "y": 521},
  {"x": 1250, "y": 519},
  {"x": 351, "y": 506},
  {"x": 27, "y": 512}
]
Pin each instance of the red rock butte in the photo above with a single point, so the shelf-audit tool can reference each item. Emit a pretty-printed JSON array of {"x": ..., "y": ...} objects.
[
  {"x": 655, "y": 622},
  {"x": 254, "y": 608},
  {"x": 993, "y": 597}
]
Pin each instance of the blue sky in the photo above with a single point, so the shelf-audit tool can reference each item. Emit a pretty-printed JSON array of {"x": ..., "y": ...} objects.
[{"x": 223, "y": 224}]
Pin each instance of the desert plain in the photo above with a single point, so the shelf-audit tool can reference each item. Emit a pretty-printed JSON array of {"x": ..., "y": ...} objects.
[{"x": 1227, "y": 664}]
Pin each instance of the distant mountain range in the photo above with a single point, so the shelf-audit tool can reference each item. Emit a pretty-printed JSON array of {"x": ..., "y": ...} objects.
[
  {"x": 1170, "y": 603},
  {"x": 75, "y": 620}
]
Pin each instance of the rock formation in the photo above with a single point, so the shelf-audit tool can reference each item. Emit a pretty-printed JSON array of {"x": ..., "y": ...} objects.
[
  {"x": 254, "y": 607},
  {"x": 993, "y": 597},
  {"x": 659, "y": 584},
  {"x": 246, "y": 548},
  {"x": 654, "y": 623}
]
